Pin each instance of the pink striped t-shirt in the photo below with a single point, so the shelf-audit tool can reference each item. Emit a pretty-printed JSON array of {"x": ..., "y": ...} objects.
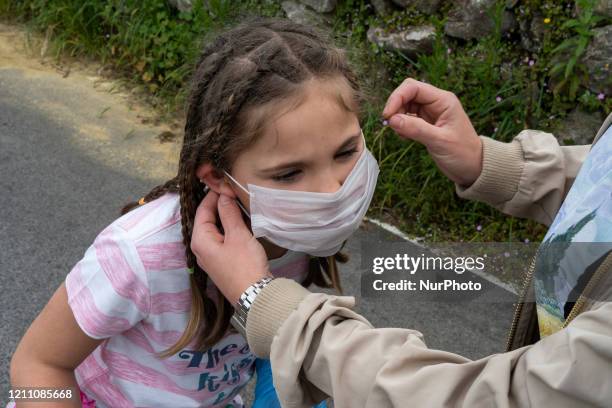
[{"x": 132, "y": 289}]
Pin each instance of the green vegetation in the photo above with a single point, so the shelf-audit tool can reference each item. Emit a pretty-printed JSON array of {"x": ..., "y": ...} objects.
[
  {"x": 504, "y": 88},
  {"x": 566, "y": 65}
]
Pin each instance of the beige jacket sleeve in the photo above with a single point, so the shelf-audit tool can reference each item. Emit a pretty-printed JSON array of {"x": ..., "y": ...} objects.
[
  {"x": 527, "y": 177},
  {"x": 318, "y": 347}
]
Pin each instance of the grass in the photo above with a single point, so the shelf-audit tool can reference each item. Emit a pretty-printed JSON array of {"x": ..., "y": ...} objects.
[{"x": 503, "y": 88}]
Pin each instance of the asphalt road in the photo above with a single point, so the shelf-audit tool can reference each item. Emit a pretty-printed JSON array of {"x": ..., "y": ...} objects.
[{"x": 61, "y": 183}]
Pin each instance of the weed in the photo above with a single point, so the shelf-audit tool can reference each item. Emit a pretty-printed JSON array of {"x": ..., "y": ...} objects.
[{"x": 566, "y": 65}]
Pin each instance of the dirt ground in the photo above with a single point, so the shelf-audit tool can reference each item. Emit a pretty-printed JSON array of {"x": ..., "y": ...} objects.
[{"x": 111, "y": 119}]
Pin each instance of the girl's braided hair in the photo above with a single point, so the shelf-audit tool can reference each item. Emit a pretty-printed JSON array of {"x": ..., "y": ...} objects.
[{"x": 258, "y": 61}]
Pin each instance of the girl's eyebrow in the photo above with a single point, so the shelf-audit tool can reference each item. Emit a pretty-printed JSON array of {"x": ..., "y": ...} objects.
[
  {"x": 298, "y": 163},
  {"x": 349, "y": 141}
]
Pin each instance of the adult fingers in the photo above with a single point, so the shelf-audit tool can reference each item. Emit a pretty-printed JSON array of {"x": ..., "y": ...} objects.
[
  {"x": 412, "y": 91},
  {"x": 206, "y": 213},
  {"x": 415, "y": 128},
  {"x": 231, "y": 217}
]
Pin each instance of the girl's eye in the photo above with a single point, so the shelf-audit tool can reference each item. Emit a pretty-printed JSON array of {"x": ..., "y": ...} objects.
[
  {"x": 347, "y": 153},
  {"x": 289, "y": 176}
]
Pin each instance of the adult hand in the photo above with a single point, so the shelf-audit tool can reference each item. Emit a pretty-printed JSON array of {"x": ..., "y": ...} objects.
[
  {"x": 233, "y": 261},
  {"x": 435, "y": 118}
]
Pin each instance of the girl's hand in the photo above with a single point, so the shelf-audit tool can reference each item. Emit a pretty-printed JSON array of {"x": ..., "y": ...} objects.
[
  {"x": 435, "y": 118},
  {"x": 233, "y": 261}
]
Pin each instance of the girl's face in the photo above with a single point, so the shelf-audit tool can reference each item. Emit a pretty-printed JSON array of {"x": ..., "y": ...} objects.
[{"x": 313, "y": 147}]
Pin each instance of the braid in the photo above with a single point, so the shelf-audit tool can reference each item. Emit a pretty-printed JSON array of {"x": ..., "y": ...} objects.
[
  {"x": 189, "y": 199},
  {"x": 216, "y": 316},
  {"x": 169, "y": 186}
]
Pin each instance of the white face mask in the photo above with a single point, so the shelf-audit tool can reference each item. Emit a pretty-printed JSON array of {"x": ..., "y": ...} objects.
[{"x": 314, "y": 223}]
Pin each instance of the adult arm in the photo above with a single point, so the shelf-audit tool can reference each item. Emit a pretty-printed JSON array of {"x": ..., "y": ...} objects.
[
  {"x": 319, "y": 346},
  {"x": 528, "y": 177}
]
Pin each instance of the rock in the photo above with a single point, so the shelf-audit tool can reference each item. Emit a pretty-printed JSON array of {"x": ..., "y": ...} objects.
[
  {"x": 470, "y": 19},
  {"x": 600, "y": 7},
  {"x": 321, "y": 6},
  {"x": 181, "y": 5},
  {"x": 511, "y": 3},
  {"x": 301, "y": 14},
  {"x": 411, "y": 41},
  {"x": 532, "y": 33},
  {"x": 603, "y": 8},
  {"x": 506, "y": 70},
  {"x": 383, "y": 7},
  {"x": 578, "y": 127},
  {"x": 598, "y": 60},
  {"x": 424, "y": 6}
]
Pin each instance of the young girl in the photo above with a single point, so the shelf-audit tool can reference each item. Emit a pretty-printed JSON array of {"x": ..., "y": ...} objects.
[{"x": 137, "y": 322}]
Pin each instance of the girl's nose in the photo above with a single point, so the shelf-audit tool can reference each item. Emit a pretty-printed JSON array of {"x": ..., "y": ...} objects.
[{"x": 329, "y": 182}]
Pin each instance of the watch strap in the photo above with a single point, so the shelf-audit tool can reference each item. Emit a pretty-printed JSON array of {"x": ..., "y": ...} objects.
[{"x": 247, "y": 298}]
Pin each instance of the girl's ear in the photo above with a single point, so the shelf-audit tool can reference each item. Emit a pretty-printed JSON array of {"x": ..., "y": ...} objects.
[{"x": 214, "y": 179}]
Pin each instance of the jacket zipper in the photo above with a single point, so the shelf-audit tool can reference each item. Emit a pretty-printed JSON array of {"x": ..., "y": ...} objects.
[
  {"x": 576, "y": 309},
  {"x": 582, "y": 300},
  {"x": 518, "y": 308}
]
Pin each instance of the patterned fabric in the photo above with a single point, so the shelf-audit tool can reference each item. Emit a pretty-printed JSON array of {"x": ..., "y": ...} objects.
[
  {"x": 132, "y": 289},
  {"x": 578, "y": 239},
  {"x": 87, "y": 402}
]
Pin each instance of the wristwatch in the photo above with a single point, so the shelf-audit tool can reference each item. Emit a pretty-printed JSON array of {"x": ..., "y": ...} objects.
[{"x": 239, "y": 318}]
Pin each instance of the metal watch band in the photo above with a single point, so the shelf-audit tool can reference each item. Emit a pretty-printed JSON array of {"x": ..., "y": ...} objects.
[{"x": 239, "y": 318}]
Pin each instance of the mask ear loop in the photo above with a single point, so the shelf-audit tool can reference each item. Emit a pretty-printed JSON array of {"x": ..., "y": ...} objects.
[
  {"x": 243, "y": 209},
  {"x": 365, "y": 146},
  {"x": 243, "y": 189}
]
